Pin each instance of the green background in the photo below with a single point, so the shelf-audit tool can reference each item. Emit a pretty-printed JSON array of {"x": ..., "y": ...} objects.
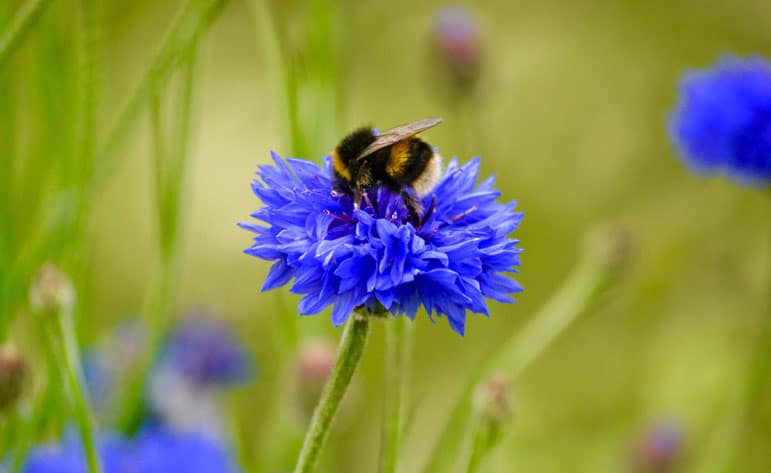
[{"x": 570, "y": 113}]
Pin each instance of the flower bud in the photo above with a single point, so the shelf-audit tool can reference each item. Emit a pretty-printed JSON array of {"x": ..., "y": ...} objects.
[
  {"x": 457, "y": 44},
  {"x": 659, "y": 449},
  {"x": 612, "y": 245},
  {"x": 51, "y": 290},
  {"x": 315, "y": 362},
  {"x": 13, "y": 371},
  {"x": 493, "y": 400}
]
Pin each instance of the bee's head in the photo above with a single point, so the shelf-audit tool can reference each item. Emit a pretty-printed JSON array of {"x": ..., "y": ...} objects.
[{"x": 344, "y": 156}]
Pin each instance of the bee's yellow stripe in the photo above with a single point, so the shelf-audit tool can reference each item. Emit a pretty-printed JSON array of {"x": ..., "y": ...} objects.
[
  {"x": 400, "y": 156},
  {"x": 339, "y": 167}
]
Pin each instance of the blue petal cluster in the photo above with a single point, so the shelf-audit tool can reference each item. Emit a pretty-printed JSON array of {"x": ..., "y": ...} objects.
[
  {"x": 722, "y": 122},
  {"x": 206, "y": 353},
  {"x": 154, "y": 451},
  {"x": 372, "y": 256}
]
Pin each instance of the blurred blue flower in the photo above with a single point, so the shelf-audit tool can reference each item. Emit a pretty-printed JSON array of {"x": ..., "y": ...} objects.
[
  {"x": 109, "y": 363},
  {"x": 722, "y": 122},
  {"x": 207, "y": 353},
  {"x": 69, "y": 458},
  {"x": 168, "y": 452},
  {"x": 153, "y": 451},
  {"x": 200, "y": 359},
  {"x": 372, "y": 256}
]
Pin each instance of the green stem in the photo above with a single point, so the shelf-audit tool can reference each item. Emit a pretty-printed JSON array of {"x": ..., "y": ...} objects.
[
  {"x": 480, "y": 445},
  {"x": 156, "y": 310},
  {"x": 523, "y": 348},
  {"x": 348, "y": 356},
  {"x": 19, "y": 26},
  {"x": 726, "y": 443},
  {"x": 159, "y": 159},
  {"x": 169, "y": 178},
  {"x": 194, "y": 19},
  {"x": 68, "y": 358},
  {"x": 397, "y": 346},
  {"x": 290, "y": 81},
  {"x": 88, "y": 87}
]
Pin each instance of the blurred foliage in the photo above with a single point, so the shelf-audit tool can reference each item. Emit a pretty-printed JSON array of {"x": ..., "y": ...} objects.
[{"x": 569, "y": 111}]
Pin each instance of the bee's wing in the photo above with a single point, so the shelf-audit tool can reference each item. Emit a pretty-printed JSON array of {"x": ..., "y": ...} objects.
[{"x": 395, "y": 135}]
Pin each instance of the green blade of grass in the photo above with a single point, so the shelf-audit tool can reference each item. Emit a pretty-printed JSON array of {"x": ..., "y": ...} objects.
[
  {"x": 170, "y": 165},
  {"x": 29, "y": 12},
  {"x": 192, "y": 22},
  {"x": 521, "y": 350}
]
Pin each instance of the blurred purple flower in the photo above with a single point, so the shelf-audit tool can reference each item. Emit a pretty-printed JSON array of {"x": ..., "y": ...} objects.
[
  {"x": 457, "y": 43},
  {"x": 722, "y": 122},
  {"x": 207, "y": 353},
  {"x": 152, "y": 451},
  {"x": 373, "y": 257},
  {"x": 315, "y": 361},
  {"x": 660, "y": 448},
  {"x": 201, "y": 358},
  {"x": 107, "y": 364}
]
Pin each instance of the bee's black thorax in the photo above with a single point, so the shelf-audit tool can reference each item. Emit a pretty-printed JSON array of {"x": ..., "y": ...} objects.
[{"x": 346, "y": 167}]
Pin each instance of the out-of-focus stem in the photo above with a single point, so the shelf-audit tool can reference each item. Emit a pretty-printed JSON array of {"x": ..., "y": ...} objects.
[
  {"x": 290, "y": 81},
  {"x": 397, "y": 349},
  {"x": 67, "y": 353},
  {"x": 480, "y": 445},
  {"x": 725, "y": 448},
  {"x": 583, "y": 286},
  {"x": 19, "y": 26},
  {"x": 189, "y": 26},
  {"x": 169, "y": 178},
  {"x": 348, "y": 356}
]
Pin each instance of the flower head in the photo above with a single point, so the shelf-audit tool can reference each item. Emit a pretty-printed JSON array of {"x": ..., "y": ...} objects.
[
  {"x": 660, "y": 447},
  {"x": 373, "y": 257},
  {"x": 207, "y": 353},
  {"x": 13, "y": 372},
  {"x": 313, "y": 365},
  {"x": 722, "y": 123},
  {"x": 152, "y": 451},
  {"x": 457, "y": 43},
  {"x": 201, "y": 358},
  {"x": 493, "y": 400},
  {"x": 68, "y": 457},
  {"x": 51, "y": 290}
]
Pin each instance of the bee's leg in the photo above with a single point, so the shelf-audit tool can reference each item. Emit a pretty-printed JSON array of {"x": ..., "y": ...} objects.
[
  {"x": 356, "y": 198},
  {"x": 428, "y": 212},
  {"x": 413, "y": 207},
  {"x": 365, "y": 196},
  {"x": 374, "y": 203}
]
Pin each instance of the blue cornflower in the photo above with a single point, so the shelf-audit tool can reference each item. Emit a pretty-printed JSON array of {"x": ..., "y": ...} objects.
[
  {"x": 722, "y": 122},
  {"x": 168, "y": 452},
  {"x": 107, "y": 364},
  {"x": 201, "y": 358},
  {"x": 373, "y": 257},
  {"x": 152, "y": 451},
  {"x": 69, "y": 458},
  {"x": 207, "y": 353}
]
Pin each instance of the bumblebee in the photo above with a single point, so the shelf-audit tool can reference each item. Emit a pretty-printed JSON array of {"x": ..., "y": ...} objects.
[{"x": 397, "y": 159}]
